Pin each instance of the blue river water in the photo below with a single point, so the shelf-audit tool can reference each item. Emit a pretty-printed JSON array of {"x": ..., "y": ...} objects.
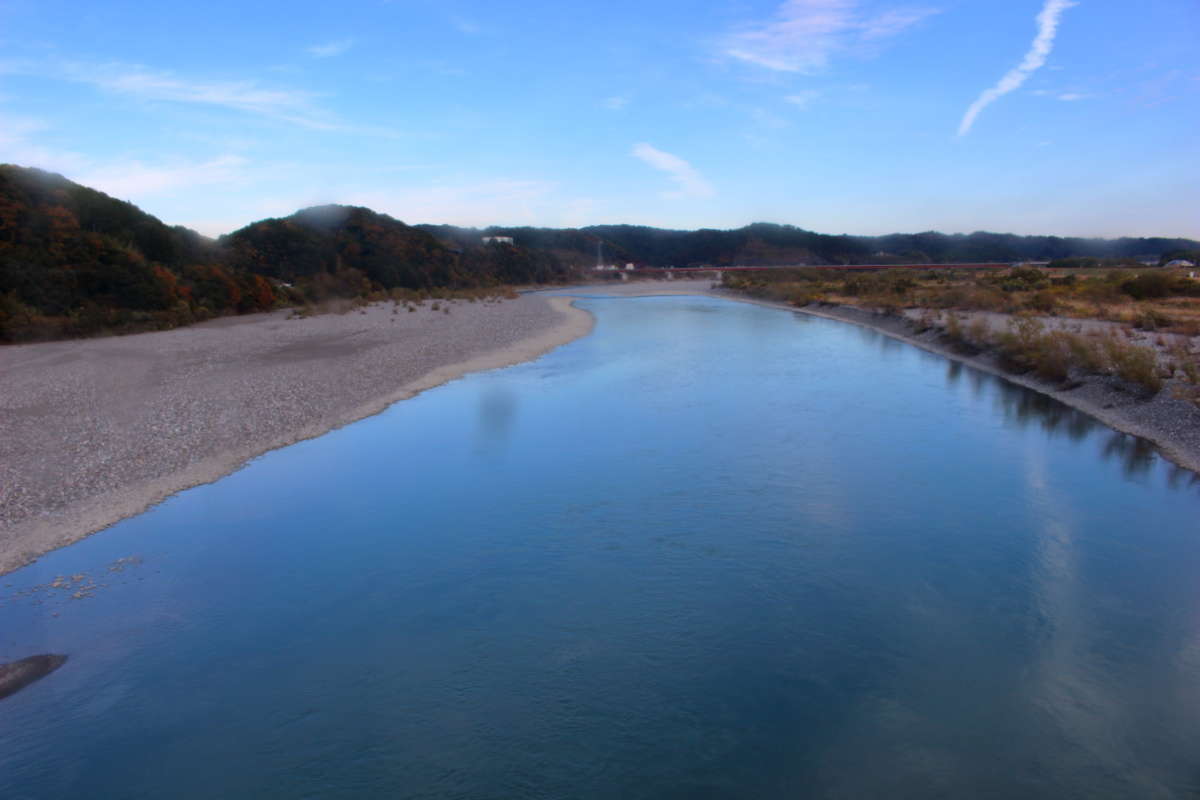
[{"x": 712, "y": 550}]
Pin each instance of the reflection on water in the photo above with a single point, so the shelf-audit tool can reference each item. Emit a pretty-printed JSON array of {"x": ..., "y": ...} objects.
[
  {"x": 886, "y": 344},
  {"x": 497, "y": 412},
  {"x": 1136, "y": 455},
  {"x": 1178, "y": 477},
  {"x": 1021, "y": 406},
  {"x": 711, "y": 550}
]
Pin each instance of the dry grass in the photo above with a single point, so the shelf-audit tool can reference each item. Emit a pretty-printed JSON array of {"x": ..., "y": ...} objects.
[
  {"x": 1153, "y": 299},
  {"x": 1060, "y": 355},
  {"x": 1162, "y": 302}
]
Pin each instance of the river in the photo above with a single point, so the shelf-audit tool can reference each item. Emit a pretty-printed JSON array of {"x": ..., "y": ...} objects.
[{"x": 712, "y": 550}]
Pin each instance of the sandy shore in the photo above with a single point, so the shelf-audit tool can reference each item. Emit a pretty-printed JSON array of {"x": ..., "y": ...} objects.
[
  {"x": 1170, "y": 423},
  {"x": 97, "y": 430}
]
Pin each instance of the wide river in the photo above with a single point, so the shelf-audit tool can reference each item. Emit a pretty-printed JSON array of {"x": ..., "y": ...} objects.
[{"x": 712, "y": 550}]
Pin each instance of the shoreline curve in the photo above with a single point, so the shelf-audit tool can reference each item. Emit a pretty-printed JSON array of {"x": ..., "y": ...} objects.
[
  {"x": 1185, "y": 454},
  {"x": 28, "y": 540}
]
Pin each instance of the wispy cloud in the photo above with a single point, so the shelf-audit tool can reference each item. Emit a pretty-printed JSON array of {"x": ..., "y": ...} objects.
[
  {"x": 1066, "y": 97},
  {"x": 689, "y": 180},
  {"x": 23, "y": 140},
  {"x": 135, "y": 179},
  {"x": 803, "y": 99},
  {"x": 288, "y": 105},
  {"x": 616, "y": 102},
  {"x": 893, "y": 22},
  {"x": 1047, "y": 24},
  {"x": 293, "y": 106},
  {"x": 766, "y": 120},
  {"x": 805, "y": 34},
  {"x": 330, "y": 49}
]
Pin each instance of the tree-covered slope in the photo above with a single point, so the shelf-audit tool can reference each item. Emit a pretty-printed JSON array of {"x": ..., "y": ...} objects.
[
  {"x": 74, "y": 261},
  {"x": 346, "y": 242}
]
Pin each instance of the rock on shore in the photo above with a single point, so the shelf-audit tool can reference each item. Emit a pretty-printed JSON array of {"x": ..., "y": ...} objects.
[{"x": 16, "y": 675}]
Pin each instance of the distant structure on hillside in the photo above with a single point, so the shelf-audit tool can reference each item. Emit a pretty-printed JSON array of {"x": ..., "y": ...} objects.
[
  {"x": 1180, "y": 262},
  {"x": 497, "y": 240}
]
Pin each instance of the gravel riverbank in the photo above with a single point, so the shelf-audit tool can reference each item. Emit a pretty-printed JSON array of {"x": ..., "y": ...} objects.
[{"x": 93, "y": 431}]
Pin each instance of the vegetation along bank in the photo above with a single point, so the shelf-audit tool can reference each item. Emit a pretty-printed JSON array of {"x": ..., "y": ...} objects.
[{"x": 1122, "y": 345}]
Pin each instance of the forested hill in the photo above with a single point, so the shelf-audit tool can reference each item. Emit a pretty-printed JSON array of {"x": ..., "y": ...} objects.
[
  {"x": 765, "y": 244},
  {"x": 76, "y": 262},
  {"x": 340, "y": 247}
]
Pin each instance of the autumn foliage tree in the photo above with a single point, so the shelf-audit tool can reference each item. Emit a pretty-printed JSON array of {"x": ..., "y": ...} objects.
[{"x": 74, "y": 262}]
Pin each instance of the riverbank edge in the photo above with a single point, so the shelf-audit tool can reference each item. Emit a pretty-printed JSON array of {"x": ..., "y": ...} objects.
[
  {"x": 90, "y": 516},
  {"x": 1121, "y": 418},
  {"x": 1103, "y": 399}
]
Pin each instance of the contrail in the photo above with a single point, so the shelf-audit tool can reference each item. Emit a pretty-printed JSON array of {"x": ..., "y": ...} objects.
[{"x": 1047, "y": 22}]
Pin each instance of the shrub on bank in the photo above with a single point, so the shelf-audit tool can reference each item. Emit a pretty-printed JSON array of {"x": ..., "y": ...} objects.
[
  {"x": 1027, "y": 346},
  {"x": 1137, "y": 365}
]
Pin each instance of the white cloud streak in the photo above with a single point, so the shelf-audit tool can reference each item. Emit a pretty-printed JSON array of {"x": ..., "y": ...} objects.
[
  {"x": 1047, "y": 24},
  {"x": 134, "y": 179},
  {"x": 805, "y": 34},
  {"x": 330, "y": 49},
  {"x": 803, "y": 99},
  {"x": 689, "y": 180},
  {"x": 283, "y": 104},
  {"x": 293, "y": 106}
]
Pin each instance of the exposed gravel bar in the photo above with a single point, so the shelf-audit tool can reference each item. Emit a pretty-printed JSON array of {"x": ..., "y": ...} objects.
[{"x": 97, "y": 430}]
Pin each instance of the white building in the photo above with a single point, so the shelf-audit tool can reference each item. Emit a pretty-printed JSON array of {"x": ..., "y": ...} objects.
[{"x": 497, "y": 240}]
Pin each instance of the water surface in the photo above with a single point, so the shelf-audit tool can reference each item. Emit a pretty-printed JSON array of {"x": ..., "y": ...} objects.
[{"x": 711, "y": 550}]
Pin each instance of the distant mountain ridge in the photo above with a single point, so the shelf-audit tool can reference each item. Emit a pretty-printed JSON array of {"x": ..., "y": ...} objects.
[
  {"x": 76, "y": 262},
  {"x": 769, "y": 244}
]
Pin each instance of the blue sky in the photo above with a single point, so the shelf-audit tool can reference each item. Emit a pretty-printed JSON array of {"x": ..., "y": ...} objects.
[{"x": 856, "y": 116}]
